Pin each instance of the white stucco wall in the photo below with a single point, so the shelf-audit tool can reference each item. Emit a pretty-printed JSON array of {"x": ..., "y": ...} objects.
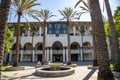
[{"x": 51, "y": 39}]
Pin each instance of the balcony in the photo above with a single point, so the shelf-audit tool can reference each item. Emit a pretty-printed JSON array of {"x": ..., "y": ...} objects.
[
  {"x": 57, "y": 51},
  {"x": 27, "y": 51},
  {"x": 75, "y": 51},
  {"x": 38, "y": 51},
  {"x": 87, "y": 50}
]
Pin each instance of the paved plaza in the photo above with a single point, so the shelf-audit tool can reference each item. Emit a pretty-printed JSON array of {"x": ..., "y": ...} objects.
[{"x": 81, "y": 73}]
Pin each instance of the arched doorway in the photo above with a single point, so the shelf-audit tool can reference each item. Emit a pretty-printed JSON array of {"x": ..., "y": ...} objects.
[
  {"x": 38, "y": 51},
  {"x": 87, "y": 51},
  {"x": 27, "y": 56},
  {"x": 75, "y": 52},
  {"x": 57, "y": 51}
]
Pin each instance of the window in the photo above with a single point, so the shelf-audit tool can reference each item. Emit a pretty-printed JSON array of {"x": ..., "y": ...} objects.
[{"x": 57, "y": 28}]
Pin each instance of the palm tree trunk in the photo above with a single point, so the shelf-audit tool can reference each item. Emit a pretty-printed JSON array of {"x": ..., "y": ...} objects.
[
  {"x": 16, "y": 59},
  {"x": 43, "y": 54},
  {"x": 4, "y": 12},
  {"x": 102, "y": 55},
  {"x": 95, "y": 63},
  {"x": 114, "y": 37},
  {"x": 68, "y": 34}
]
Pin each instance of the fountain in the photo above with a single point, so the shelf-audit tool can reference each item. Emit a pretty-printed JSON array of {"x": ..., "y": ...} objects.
[{"x": 54, "y": 70}]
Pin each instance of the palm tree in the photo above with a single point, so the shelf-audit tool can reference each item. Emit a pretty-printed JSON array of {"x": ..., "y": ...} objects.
[
  {"x": 4, "y": 12},
  {"x": 44, "y": 15},
  {"x": 114, "y": 36},
  {"x": 23, "y": 7},
  {"x": 86, "y": 9},
  {"x": 103, "y": 59},
  {"x": 33, "y": 30},
  {"x": 68, "y": 14},
  {"x": 22, "y": 29},
  {"x": 82, "y": 31}
]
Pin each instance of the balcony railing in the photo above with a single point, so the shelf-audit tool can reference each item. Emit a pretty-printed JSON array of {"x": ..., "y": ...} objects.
[
  {"x": 27, "y": 51},
  {"x": 54, "y": 51},
  {"x": 87, "y": 50},
  {"x": 38, "y": 51},
  {"x": 79, "y": 51},
  {"x": 57, "y": 51},
  {"x": 75, "y": 51}
]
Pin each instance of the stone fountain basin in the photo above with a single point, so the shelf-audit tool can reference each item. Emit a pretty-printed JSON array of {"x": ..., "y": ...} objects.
[{"x": 45, "y": 72}]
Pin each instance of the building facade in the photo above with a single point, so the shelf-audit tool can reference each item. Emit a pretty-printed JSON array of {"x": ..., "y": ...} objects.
[{"x": 56, "y": 42}]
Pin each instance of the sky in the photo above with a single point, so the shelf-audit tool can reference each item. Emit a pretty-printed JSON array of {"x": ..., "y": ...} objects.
[{"x": 55, "y": 5}]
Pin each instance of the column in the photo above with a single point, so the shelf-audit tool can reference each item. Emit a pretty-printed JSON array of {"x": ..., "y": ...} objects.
[
  {"x": 92, "y": 53},
  {"x": 39, "y": 31},
  {"x": 46, "y": 51},
  {"x": 66, "y": 55},
  {"x": 51, "y": 55},
  {"x": 33, "y": 56},
  {"x": 48, "y": 54},
  {"x": 21, "y": 55},
  {"x": 81, "y": 55},
  {"x": 63, "y": 55},
  {"x": 10, "y": 56},
  {"x": 5, "y": 56},
  {"x": 74, "y": 30},
  {"x": 46, "y": 31}
]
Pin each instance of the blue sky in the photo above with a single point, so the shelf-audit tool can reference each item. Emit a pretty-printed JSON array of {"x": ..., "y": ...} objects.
[{"x": 55, "y": 5}]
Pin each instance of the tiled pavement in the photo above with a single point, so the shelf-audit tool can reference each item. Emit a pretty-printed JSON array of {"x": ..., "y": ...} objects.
[{"x": 81, "y": 73}]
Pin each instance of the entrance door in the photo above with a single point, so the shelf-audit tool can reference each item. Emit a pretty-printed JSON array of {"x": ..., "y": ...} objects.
[
  {"x": 39, "y": 57},
  {"x": 57, "y": 58},
  {"x": 74, "y": 57}
]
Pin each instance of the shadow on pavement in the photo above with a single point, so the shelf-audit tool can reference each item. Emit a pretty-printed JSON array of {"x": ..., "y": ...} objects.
[{"x": 90, "y": 74}]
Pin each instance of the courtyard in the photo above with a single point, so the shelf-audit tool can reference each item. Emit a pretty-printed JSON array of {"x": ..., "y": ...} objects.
[{"x": 81, "y": 73}]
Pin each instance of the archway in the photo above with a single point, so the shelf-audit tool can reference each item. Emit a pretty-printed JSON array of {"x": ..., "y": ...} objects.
[
  {"x": 38, "y": 51},
  {"x": 75, "y": 52},
  {"x": 27, "y": 56},
  {"x": 74, "y": 45},
  {"x": 28, "y": 46},
  {"x": 39, "y": 46},
  {"x": 57, "y": 49},
  {"x": 87, "y": 45},
  {"x": 87, "y": 51}
]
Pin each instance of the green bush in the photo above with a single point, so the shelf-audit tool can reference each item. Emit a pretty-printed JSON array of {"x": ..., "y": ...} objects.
[
  {"x": 3, "y": 68},
  {"x": 112, "y": 66}
]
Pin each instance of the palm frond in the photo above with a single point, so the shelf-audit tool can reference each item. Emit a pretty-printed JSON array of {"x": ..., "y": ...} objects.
[
  {"x": 32, "y": 5},
  {"x": 86, "y": 4},
  {"x": 35, "y": 17},
  {"x": 78, "y": 3},
  {"x": 25, "y": 7},
  {"x": 23, "y": 3},
  {"x": 79, "y": 14},
  {"x": 84, "y": 8},
  {"x": 45, "y": 14},
  {"x": 68, "y": 13}
]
